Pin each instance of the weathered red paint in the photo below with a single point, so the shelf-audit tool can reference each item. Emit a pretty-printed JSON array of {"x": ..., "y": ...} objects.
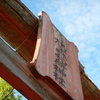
[
  {"x": 11, "y": 63},
  {"x": 16, "y": 23},
  {"x": 18, "y": 84},
  {"x": 57, "y": 59},
  {"x": 16, "y": 30}
]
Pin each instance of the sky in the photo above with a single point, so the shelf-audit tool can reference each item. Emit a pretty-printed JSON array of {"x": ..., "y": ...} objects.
[{"x": 79, "y": 22}]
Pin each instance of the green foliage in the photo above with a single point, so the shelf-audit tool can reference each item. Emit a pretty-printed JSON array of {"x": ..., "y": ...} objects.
[{"x": 7, "y": 91}]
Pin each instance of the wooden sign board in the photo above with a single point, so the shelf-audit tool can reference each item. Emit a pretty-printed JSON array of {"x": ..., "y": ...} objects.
[{"x": 56, "y": 58}]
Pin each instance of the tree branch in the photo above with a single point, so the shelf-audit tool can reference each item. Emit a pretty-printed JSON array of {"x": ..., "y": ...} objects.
[{"x": 8, "y": 94}]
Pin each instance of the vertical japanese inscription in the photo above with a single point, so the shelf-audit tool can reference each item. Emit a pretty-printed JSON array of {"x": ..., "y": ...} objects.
[{"x": 60, "y": 62}]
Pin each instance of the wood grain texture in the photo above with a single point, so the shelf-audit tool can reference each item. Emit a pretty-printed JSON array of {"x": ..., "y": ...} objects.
[
  {"x": 14, "y": 69},
  {"x": 90, "y": 91},
  {"x": 18, "y": 26}
]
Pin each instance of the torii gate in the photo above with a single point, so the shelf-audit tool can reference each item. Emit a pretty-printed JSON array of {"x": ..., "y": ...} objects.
[{"x": 53, "y": 74}]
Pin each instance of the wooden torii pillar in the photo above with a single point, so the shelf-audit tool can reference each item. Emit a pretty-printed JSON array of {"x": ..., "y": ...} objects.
[{"x": 20, "y": 28}]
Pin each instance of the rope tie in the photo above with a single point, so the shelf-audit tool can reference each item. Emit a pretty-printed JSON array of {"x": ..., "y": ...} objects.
[{"x": 26, "y": 38}]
